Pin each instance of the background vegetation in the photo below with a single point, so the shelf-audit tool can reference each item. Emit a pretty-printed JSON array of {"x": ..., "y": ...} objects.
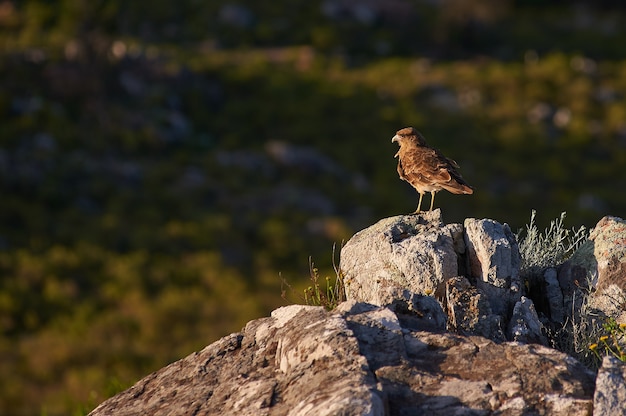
[{"x": 162, "y": 163}]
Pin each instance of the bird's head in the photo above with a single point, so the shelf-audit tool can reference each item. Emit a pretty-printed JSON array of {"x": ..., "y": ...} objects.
[{"x": 408, "y": 134}]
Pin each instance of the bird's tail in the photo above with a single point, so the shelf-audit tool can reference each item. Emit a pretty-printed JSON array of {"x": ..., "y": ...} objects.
[{"x": 459, "y": 188}]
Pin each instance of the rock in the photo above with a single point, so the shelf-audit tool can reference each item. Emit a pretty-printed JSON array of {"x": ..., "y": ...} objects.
[
  {"x": 417, "y": 253},
  {"x": 421, "y": 312},
  {"x": 554, "y": 295},
  {"x": 524, "y": 325},
  {"x": 380, "y": 337},
  {"x": 573, "y": 280},
  {"x": 609, "y": 302},
  {"x": 470, "y": 313},
  {"x": 609, "y": 250},
  {"x": 609, "y": 398},
  {"x": 359, "y": 360},
  {"x": 449, "y": 374},
  {"x": 574, "y": 277},
  {"x": 494, "y": 261},
  {"x": 597, "y": 267}
]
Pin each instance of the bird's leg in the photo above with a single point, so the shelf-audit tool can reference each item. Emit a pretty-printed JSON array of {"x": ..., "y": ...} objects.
[
  {"x": 419, "y": 204},
  {"x": 432, "y": 199}
]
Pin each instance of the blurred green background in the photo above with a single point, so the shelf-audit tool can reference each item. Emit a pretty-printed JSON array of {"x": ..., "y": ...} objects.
[{"x": 163, "y": 164}]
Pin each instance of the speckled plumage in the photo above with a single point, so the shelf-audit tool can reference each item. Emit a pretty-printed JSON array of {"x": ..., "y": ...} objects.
[{"x": 426, "y": 168}]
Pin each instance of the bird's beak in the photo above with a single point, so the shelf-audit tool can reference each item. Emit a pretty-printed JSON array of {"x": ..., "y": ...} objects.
[{"x": 394, "y": 139}]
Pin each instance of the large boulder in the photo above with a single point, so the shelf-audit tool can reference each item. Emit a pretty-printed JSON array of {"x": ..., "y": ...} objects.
[
  {"x": 401, "y": 255},
  {"x": 359, "y": 360}
]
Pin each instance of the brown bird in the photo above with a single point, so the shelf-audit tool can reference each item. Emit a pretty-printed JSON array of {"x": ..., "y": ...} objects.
[{"x": 425, "y": 168}]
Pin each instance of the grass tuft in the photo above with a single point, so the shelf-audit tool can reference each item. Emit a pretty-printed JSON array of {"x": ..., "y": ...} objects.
[{"x": 322, "y": 292}]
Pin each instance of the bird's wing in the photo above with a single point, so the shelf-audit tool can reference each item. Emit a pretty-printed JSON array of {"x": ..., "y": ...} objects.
[{"x": 426, "y": 165}]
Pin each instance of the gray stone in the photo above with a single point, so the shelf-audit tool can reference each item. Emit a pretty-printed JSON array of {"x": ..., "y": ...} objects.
[
  {"x": 609, "y": 398},
  {"x": 575, "y": 278},
  {"x": 418, "y": 313},
  {"x": 524, "y": 325},
  {"x": 494, "y": 261},
  {"x": 554, "y": 295},
  {"x": 415, "y": 253}
]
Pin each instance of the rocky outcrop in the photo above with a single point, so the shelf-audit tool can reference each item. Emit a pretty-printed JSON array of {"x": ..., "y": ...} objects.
[
  {"x": 385, "y": 351},
  {"x": 359, "y": 360},
  {"x": 473, "y": 270}
]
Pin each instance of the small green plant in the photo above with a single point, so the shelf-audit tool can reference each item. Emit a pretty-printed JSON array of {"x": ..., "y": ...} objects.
[
  {"x": 612, "y": 342},
  {"x": 548, "y": 249},
  {"x": 328, "y": 295}
]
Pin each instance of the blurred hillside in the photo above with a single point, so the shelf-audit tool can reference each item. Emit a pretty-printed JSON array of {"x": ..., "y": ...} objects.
[{"x": 163, "y": 164}]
